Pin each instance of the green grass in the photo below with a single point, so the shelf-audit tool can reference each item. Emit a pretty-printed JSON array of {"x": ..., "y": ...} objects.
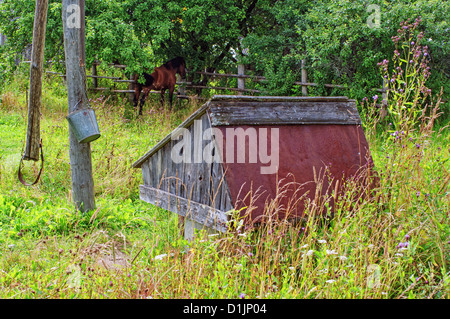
[{"x": 127, "y": 248}]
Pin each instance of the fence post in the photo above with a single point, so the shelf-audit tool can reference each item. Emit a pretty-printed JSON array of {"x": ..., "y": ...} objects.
[
  {"x": 304, "y": 79},
  {"x": 131, "y": 87},
  {"x": 36, "y": 66},
  {"x": 241, "y": 81},
  {"x": 94, "y": 73},
  {"x": 73, "y": 16}
]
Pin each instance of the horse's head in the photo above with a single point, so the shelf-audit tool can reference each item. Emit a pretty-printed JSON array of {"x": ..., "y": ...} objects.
[{"x": 179, "y": 65}]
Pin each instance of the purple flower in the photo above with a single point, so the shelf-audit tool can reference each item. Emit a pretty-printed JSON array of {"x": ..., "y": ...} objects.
[
  {"x": 418, "y": 145},
  {"x": 242, "y": 295},
  {"x": 412, "y": 43},
  {"x": 418, "y": 194},
  {"x": 375, "y": 97},
  {"x": 407, "y": 237}
]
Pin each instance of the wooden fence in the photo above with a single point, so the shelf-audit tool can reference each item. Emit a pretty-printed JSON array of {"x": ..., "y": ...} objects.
[{"x": 241, "y": 76}]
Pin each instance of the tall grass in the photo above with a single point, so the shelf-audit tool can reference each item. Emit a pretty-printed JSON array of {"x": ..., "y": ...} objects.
[{"x": 391, "y": 241}]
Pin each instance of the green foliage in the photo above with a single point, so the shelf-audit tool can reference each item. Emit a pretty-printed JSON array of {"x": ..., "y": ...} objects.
[
  {"x": 342, "y": 48},
  {"x": 270, "y": 37}
]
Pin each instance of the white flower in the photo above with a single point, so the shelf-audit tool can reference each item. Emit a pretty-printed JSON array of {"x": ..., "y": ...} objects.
[
  {"x": 322, "y": 241},
  {"x": 331, "y": 252},
  {"x": 292, "y": 268},
  {"x": 343, "y": 258},
  {"x": 308, "y": 253},
  {"x": 159, "y": 257},
  {"x": 330, "y": 281},
  {"x": 304, "y": 246}
]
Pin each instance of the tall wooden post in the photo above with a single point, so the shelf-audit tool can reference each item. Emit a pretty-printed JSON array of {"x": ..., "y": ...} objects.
[
  {"x": 36, "y": 66},
  {"x": 304, "y": 79},
  {"x": 241, "y": 81},
  {"x": 94, "y": 73},
  {"x": 80, "y": 153}
]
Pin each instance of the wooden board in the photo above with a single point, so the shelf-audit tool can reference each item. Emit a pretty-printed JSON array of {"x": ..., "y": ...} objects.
[
  {"x": 283, "y": 113},
  {"x": 200, "y": 213}
]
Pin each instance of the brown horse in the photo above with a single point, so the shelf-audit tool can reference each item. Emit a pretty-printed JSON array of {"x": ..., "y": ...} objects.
[{"x": 162, "y": 79}]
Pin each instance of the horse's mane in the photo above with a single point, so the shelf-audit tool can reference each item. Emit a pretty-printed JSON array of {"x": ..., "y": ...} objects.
[{"x": 174, "y": 63}]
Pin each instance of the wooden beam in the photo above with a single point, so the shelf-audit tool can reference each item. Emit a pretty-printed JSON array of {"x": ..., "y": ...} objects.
[
  {"x": 36, "y": 67},
  {"x": 205, "y": 215},
  {"x": 221, "y": 88},
  {"x": 80, "y": 153},
  {"x": 103, "y": 77},
  {"x": 283, "y": 113}
]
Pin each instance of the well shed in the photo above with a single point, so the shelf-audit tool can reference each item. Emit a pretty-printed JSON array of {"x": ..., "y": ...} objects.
[{"x": 240, "y": 150}]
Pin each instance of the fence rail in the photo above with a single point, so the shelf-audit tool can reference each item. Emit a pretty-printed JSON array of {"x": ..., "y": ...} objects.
[{"x": 189, "y": 85}]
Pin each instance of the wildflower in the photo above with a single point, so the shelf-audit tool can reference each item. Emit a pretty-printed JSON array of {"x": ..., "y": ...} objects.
[
  {"x": 308, "y": 253},
  {"x": 407, "y": 237},
  {"x": 343, "y": 258},
  {"x": 331, "y": 252},
  {"x": 330, "y": 281},
  {"x": 242, "y": 295},
  {"x": 159, "y": 257},
  {"x": 412, "y": 42},
  {"x": 322, "y": 241},
  {"x": 375, "y": 97},
  {"x": 418, "y": 194}
]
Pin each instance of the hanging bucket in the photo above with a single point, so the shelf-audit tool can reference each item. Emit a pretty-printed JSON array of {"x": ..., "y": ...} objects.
[{"x": 84, "y": 125}]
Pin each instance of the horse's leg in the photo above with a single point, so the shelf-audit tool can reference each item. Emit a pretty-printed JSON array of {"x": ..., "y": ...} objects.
[
  {"x": 144, "y": 96},
  {"x": 171, "y": 97},
  {"x": 137, "y": 93},
  {"x": 163, "y": 93}
]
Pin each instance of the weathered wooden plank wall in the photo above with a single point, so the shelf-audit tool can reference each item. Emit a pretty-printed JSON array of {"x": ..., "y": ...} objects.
[{"x": 193, "y": 178}]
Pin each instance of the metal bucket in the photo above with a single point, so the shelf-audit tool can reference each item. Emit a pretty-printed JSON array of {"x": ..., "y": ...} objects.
[{"x": 84, "y": 125}]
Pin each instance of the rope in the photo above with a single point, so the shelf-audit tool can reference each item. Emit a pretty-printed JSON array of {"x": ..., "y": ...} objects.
[{"x": 19, "y": 174}]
